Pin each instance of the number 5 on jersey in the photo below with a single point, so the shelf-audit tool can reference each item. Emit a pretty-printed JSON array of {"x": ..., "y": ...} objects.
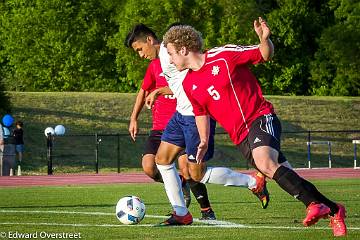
[{"x": 213, "y": 93}]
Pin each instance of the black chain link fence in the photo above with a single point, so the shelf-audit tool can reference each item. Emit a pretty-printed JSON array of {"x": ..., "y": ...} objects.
[{"x": 93, "y": 153}]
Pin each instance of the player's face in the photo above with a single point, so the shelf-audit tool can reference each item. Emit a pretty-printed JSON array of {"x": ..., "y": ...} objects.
[
  {"x": 176, "y": 57},
  {"x": 145, "y": 49}
]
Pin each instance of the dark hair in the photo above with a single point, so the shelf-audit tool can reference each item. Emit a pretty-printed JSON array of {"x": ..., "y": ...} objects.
[
  {"x": 20, "y": 123},
  {"x": 139, "y": 31}
]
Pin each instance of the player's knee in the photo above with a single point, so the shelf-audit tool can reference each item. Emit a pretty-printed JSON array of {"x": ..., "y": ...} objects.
[
  {"x": 153, "y": 173},
  {"x": 268, "y": 167},
  {"x": 162, "y": 160},
  {"x": 196, "y": 176},
  {"x": 149, "y": 171}
]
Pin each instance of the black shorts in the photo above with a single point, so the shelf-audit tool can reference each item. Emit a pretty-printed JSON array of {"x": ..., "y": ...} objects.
[
  {"x": 264, "y": 131},
  {"x": 153, "y": 142}
]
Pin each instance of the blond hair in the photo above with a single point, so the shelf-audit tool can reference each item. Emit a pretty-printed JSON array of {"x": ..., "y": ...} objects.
[{"x": 184, "y": 36}]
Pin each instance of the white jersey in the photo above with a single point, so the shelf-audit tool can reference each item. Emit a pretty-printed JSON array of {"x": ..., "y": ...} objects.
[{"x": 175, "y": 79}]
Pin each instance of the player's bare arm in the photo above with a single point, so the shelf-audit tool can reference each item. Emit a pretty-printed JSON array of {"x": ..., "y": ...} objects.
[
  {"x": 150, "y": 99},
  {"x": 263, "y": 32},
  {"x": 139, "y": 103},
  {"x": 203, "y": 126}
]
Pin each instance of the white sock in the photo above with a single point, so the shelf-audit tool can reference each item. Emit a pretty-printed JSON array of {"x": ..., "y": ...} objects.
[
  {"x": 228, "y": 177},
  {"x": 173, "y": 189}
]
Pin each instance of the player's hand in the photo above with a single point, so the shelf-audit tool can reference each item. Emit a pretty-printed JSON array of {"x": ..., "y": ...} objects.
[
  {"x": 202, "y": 149},
  {"x": 133, "y": 129},
  {"x": 262, "y": 29},
  {"x": 150, "y": 99}
]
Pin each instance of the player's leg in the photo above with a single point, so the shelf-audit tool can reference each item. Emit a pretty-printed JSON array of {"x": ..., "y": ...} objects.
[
  {"x": 184, "y": 177},
  {"x": 172, "y": 142},
  {"x": 165, "y": 157},
  {"x": 266, "y": 154},
  {"x": 148, "y": 160},
  {"x": 149, "y": 166},
  {"x": 150, "y": 169},
  {"x": 217, "y": 175},
  {"x": 20, "y": 150}
]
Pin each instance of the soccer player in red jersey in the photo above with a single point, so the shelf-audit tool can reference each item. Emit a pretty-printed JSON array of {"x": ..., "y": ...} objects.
[
  {"x": 220, "y": 84},
  {"x": 181, "y": 133}
]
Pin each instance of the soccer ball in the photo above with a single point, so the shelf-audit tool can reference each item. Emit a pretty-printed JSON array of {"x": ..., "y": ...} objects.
[{"x": 130, "y": 210}]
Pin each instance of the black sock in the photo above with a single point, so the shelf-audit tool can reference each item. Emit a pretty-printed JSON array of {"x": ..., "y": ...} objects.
[
  {"x": 200, "y": 192},
  {"x": 301, "y": 189},
  {"x": 157, "y": 177},
  {"x": 322, "y": 199}
]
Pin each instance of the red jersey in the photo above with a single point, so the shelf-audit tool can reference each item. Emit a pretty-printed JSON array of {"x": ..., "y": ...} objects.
[
  {"x": 225, "y": 88},
  {"x": 164, "y": 106}
]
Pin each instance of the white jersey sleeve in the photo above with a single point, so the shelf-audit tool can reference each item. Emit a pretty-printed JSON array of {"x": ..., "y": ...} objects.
[{"x": 175, "y": 79}]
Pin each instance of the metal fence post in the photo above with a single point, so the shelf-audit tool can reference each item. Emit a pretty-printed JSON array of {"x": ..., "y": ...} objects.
[
  {"x": 118, "y": 153},
  {"x": 49, "y": 141},
  {"x": 355, "y": 150},
  {"x": 355, "y": 142},
  {"x": 308, "y": 148},
  {"x": 97, "y": 153},
  {"x": 329, "y": 143}
]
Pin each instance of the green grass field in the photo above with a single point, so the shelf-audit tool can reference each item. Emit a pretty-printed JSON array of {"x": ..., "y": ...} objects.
[{"x": 89, "y": 211}]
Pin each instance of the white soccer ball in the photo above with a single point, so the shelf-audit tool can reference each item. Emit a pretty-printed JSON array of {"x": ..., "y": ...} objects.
[
  {"x": 130, "y": 210},
  {"x": 49, "y": 130},
  {"x": 59, "y": 130}
]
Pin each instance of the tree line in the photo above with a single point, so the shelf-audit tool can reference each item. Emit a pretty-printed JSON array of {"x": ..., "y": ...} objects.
[{"x": 77, "y": 45}]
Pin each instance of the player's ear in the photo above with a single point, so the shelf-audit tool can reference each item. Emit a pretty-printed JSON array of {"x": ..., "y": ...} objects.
[
  {"x": 183, "y": 51},
  {"x": 150, "y": 40}
]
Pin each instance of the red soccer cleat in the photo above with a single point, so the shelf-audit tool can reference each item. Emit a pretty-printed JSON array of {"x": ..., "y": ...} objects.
[
  {"x": 175, "y": 220},
  {"x": 315, "y": 211},
  {"x": 260, "y": 191},
  {"x": 337, "y": 222}
]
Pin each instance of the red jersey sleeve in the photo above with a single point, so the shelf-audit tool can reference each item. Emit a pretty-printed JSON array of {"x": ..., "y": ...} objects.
[
  {"x": 198, "y": 109},
  {"x": 247, "y": 55},
  {"x": 149, "y": 82}
]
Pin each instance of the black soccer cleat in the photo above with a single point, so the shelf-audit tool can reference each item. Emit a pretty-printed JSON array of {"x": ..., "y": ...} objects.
[{"x": 207, "y": 214}]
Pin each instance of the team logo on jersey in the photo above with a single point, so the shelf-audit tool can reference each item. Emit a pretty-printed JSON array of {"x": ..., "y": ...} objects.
[
  {"x": 215, "y": 70},
  {"x": 194, "y": 87},
  {"x": 257, "y": 140}
]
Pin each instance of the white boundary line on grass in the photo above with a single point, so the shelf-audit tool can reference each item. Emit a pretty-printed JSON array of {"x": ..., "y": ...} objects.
[
  {"x": 209, "y": 222},
  {"x": 206, "y": 224}
]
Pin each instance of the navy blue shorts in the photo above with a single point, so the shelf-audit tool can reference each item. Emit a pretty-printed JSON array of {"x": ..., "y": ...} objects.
[
  {"x": 182, "y": 132},
  {"x": 153, "y": 142}
]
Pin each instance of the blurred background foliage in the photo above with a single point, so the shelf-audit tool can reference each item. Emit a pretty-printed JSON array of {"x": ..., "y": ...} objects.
[{"x": 69, "y": 45}]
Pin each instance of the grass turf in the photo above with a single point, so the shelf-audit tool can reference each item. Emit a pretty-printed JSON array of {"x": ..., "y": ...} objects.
[{"x": 58, "y": 210}]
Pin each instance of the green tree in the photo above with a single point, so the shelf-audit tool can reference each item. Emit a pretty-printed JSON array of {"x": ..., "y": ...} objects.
[
  {"x": 335, "y": 70},
  {"x": 4, "y": 100},
  {"x": 57, "y": 45},
  {"x": 295, "y": 25},
  {"x": 158, "y": 15}
]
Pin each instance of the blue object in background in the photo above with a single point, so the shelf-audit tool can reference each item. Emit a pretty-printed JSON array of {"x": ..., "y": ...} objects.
[{"x": 7, "y": 120}]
